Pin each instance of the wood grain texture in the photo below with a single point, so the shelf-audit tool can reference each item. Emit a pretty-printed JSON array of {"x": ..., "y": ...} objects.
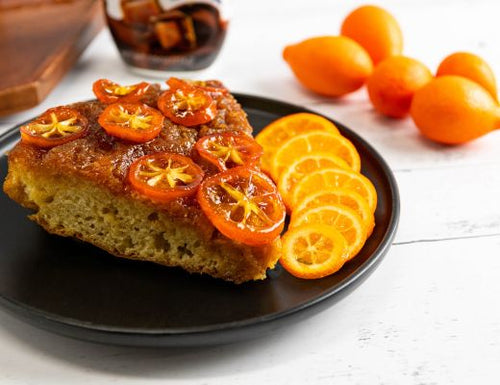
[{"x": 39, "y": 43}]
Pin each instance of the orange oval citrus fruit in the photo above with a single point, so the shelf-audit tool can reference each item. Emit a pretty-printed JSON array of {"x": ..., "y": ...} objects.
[
  {"x": 376, "y": 30},
  {"x": 472, "y": 67},
  {"x": 329, "y": 65},
  {"x": 454, "y": 110},
  {"x": 393, "y": 83}
]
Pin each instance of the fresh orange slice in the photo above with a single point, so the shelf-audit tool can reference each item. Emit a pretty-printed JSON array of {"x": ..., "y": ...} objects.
[
  {"x": 313, "y": 142},
  {"x": 304, "y": 165},
  {"x": 313, "y": 251},
  {"x": 329, "y": 178},
  {"x": 343, "y": 218},
  {"x": 339, "y": 196},
  {"x": 276, "y": 133}
]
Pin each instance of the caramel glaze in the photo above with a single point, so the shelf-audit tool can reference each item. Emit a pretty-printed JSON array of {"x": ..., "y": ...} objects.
[{"x": 105, "y": 160}]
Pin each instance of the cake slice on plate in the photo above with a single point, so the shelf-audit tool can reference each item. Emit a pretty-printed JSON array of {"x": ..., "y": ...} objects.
[{"x": 169, "y": 177}]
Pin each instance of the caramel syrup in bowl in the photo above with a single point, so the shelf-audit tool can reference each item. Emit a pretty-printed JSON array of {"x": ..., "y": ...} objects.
[{"x": 167, "y": 35}]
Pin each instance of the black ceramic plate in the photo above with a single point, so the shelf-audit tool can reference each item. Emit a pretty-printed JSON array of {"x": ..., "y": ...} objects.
[{"x": 75, "y": 289}]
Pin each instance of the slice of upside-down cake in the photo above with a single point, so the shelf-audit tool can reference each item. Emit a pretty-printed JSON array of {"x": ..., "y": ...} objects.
[{"x": 169, "y": 177}]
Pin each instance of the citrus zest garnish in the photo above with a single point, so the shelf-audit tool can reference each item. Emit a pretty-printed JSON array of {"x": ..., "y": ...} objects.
[
  {"x": 55, "y": 127},
  {"x": 187, "y": 104},
  {"x": 109, "y": 92},
  {"x": 226, "y": 153},
  {"x": 135, "y": 121},
  {"x": 185, "y": 101},
  {"x": 228, "y": 150},
  {"x": 171, "y": 174},
  {"x": 244, "y": 205},
  {"x": 116, "y": 89},
  {"x": 249, "y": 206},
  {"x": 165, "y": 176}
]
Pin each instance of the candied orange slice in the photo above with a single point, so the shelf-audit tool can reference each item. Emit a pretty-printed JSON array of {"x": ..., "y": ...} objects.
[
  {"x": 340, "y": 196},
  {"x": 313, "y": 142},
  {"x": 329, "y": 178},
  {"x": 313, "y": 251},
  {"x": 342, "y": 218},
  {"x": 303, "y": 165},
  {"x": 276, "y": 133}
]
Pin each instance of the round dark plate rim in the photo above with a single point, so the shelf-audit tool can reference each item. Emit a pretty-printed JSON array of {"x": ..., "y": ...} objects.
[{"x": 362, "y": 271}]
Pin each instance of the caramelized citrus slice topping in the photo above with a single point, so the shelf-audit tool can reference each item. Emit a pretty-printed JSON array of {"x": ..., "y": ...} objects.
[
  {"x": 133, "y": 122},
  {"x": 56, "y": 126},
  {"x": 187, "y": 104},
  {"x": 136, "y": 121},
  {"x": 172, "y": 175},
  {"x": 109, "y": 92},
  {"x": 165, "y": 176},
  {"x": 244, "y": 205},
  {"x": 116, "y": 89},
  {"x": 342, "y": 196},
  {"x": 229, "y": 150}
]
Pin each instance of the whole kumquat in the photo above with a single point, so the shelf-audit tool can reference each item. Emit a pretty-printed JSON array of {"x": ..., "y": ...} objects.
[
  {"x": 329, "y": 65},
  {"x": 393, "y": 83},
  {"x": 376, "y": 30},
  {"x": 469, "y": 66},
  {"x": 454, "y": 110}
]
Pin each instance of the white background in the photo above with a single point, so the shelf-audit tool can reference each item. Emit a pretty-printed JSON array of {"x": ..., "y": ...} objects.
[{"x": 429, "y": 314}]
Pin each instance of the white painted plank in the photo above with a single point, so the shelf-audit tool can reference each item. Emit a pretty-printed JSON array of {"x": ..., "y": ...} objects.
[
  {"x": 426, "y": 316},
  {"x": 449, "y": 203}
]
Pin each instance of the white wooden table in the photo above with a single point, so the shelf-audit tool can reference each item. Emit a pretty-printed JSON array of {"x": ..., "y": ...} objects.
[{"x": 429, "y": 314}]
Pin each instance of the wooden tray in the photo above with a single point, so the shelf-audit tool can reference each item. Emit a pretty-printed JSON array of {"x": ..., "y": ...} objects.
[{"x": 40, "y": 40}]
